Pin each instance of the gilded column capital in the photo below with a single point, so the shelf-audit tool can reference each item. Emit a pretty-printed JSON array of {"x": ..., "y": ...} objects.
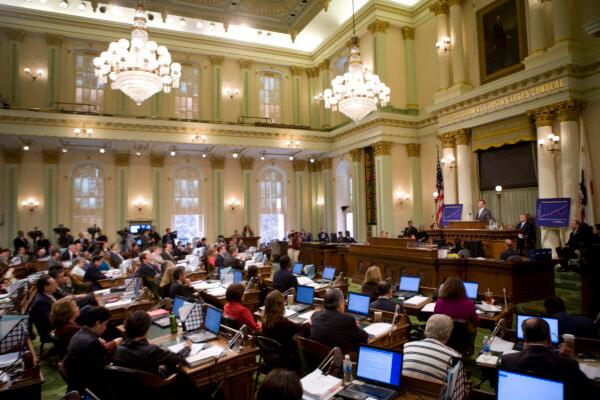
[
  {"x": 315, "y": 167},
  {"x": 448, "y": 140},
  {"x": 324, "y": 65},
  {"x": 297, "y": 71},
  {"x": 217, "y": 60},
  {"x": 378, "y": 26},
  {"x": 246, "y": 64},
  {"x": 413, "y": 149},
  {"x": 122, "y": 160},
  {"x": 299, "y": 165},
  {"x": 382, "y": 148},
  {"x": 218, "y": 162},
  {"x": 12, "y": 156},
  {"x": 542, "y": 116},
  {"x": 462, "y": 136},
  {"x": 441, "y": 7},
  {"x": 247, "y": 163},
  {"x": 50, "y": 157},
  {"x": 327, "y": 162},
  {"x": 14, "y": 34},
  {"x": 312, "y": 72},
  {"x": 54, "y": 40},
  {"x": 356, "y": 154},
  {"x": 157, "y": 161},
  {"x": 454, "y": 3},
  {"x": 570, "y": 110},
  {"x": 408, "y": 33}
]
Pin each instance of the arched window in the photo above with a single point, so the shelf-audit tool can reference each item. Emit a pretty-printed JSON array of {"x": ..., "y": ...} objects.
[
  {"x": 343, "y": 179},
  {"x": 88, "y": 197},
  {"x": 188, "y": 219},
  {"x": 272, "y": 204},
  {"x": 186, "y": 97},
  {"x": 270, "y": 95},
  {"x": 88, "y": 88}
]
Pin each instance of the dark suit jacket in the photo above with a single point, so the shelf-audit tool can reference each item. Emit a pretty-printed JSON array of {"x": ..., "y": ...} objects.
[
  {"x": 177, "y": 289},
  {"x": 385, "y": 304},
  {"x": 506, "y": 254},
  {"x": 485, "y": 215},
  {"x": 529, "y": 237},
  {"x": 233, "y": 262},
  {"x": 40, "y": 314},
  {"x": 410, "y": 230},
  {"x": 370, "y": 289},
  {"x": 115, "y": 259},
  {"x": 20, "y": 242},
  {"x": 333, "y": 328},
  {"x": 220, "y": 261},
  {"x": 284, "y": 280},
  {"x": 143, "y": 356},
  {"x": 323, "y": 237},
  {"x": 66, "y": 256},
  {"x": 542, "y": 360},
  {"x": 93, "y": 275}
]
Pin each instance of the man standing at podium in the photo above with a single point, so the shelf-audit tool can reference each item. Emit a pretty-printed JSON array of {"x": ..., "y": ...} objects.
[{"x": 484, "y": 213}]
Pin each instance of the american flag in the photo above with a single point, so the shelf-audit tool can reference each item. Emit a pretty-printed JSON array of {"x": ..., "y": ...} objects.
[{"x": 439, "y": 187}]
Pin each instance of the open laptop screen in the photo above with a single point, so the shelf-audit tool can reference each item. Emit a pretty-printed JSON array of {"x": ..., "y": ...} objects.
[
  {"x": 471, "y": 288},
  {"x": 237, "y": 276},
  {"x": 379, "y": 365},
  {"x": 409, "y": 283},
  {"x": 305, "y": 294},
  {"x": 177, "y": 303},
  {"x": 553, "y": 322},
  {"x": 358, "y": 303},
  {"x": 328, "y": 273},
  {"x": 297, "y": 268},
  {"x": 514, "y": 386},
  {"x": 212, "y": 323}
]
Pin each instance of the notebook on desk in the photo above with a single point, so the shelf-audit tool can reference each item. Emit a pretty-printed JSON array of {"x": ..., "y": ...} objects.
[
  {"x": 520, "y": 386},
  {"x": 380, "y": 369},
  {"x": 409, "y": 286},
  {"x": 552, "y": 322},
  {"x": 358, "y": 305}
]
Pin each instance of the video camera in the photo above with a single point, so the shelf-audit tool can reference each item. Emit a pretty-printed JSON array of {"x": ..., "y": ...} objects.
[
  {"x": 61, "y": 230},
  {"x": 93, "y": 231},
  {"x": 35, "y": 233}
]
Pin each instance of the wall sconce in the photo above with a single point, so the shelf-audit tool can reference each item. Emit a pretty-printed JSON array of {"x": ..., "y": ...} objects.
[
  {"x": 318, "y": 98},
  {"x": 293, "y": 144},
  {"x": 83, "y": 131},
  {"x": 234, "y": 203},
  {"x": 33, "y": 75},
  {"x": 198, "y": 138},
  {"x": 402, "y": 198},
  {"x": 31, "y": 204},
  {"x": 232, "y": 93},
  {"x": 443, "y": 44},
  {"x": 449, "y": 161},
  {"x": 552, "y": 145},
  {"x": 140, "y": 204},
  {"x": 320, "y": 202}
]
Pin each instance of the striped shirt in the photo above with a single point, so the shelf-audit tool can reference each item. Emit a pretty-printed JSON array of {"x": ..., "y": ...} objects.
[{"x": 427, "y": 359}]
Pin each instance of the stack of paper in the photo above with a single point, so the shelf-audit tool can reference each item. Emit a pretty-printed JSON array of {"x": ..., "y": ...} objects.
[
  {"x": 217, "y": 292},
  {"x": 306, "y": 315},
  {"x": 429, "y": 307},
  {"x": 305, "y": 281},
  {"x": 203, "y": 285},
  {"x": 487, "y": 360},
  {"x": 378, "y": 328},
  {"x": 488, "y": 308},
  {"x": 591, "y": 370},
  {"x": 416, "y": 300},
  {"x": 118, "y": 304},
  {"x": 502, "y": 346},
  {"x": 204, "y": 356},
  {"x": 196, "y": 348},
  {"x": 320, "y": 387}
]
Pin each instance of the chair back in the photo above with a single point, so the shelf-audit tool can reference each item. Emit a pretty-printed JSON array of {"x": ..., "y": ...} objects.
[
  {"x": 231, "y": 323},
  {"x": 270, "y": 351},
  {"x": 311, "y": 353},
  {"x": 464, "y": 253},
  {"x": 127, "y": 384},
  {"x": 515, "y": 258},
  {"x": 462, "y": 338},
  {"x": 59, "y": 345}
]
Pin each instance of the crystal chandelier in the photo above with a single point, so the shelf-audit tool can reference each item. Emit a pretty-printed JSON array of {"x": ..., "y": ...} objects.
[
  {"x": 357, "y": 92},
  {"x": 139, "y": 68}
]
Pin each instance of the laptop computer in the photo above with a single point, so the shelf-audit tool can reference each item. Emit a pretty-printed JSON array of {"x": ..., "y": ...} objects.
[
  {"x": 305, "y": 296},
  {"x": 552, "y": 322},
  {"x": 519, "y": 386},
  {"x": 409, "y": 286},
  {"x": 328, "y": 275},
  {"x": 471, "y": 288},
  {"x": 212, "y": 324},
  {"x": 178, "y": 302},
  {"x": 358, "y": 305},
  {"x": 380, "y": 369},
  {"x": 238, "y": 276},
  {"x": 297, "y": 269}
]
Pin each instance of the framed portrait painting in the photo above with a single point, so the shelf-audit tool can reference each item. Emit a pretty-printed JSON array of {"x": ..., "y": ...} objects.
[{"x": 502, "y": 39}]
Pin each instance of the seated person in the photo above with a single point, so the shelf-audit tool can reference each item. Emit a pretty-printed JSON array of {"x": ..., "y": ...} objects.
[
  {"x": 165, "y": 282},
  {"x": 348, "y": 238},
  {"x": 181, "y": 285},
  {"x": 253, "y": 273},
  {"x": 137, "y": 353},
  {"x": 384, "y": 298},
  {"x": 276, "y": 326},
  {"x": 340, "y": 237},
  {"x": 372, "y": 278},
  {"x": 39, "y": 313},
  {"x": 280, "y": 384},
  {"x": 93, "y": 274},
  {"x": 147, "y": 269},
  {"x": 333, "y": 327},
  {"x": 577, "y": 325},
  {"x": 87, "y": 356},
  {"x": 284, "y": 279},
  {"x": 410, "y": 230},
  {"x": 422, "y": 235},
  {"x": 232, "y": 260},
  {"x": 453, "y": 301},
  {"x": 54, "y": 261},
  {"x": 456, "y": 246},
  {"x": 430, "y": 358},
  {"x": 220, "y": 258},
  {"x": 538, "y": 357},
  {"x": 508, "y": 250},
  {"x": 234, "y": 309},
  {"x": 79, "y": 268},
  {"x": 104, "y": 265},
  {"x": 65, "y": 288}
]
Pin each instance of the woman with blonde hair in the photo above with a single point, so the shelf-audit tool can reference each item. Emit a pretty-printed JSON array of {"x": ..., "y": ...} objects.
[
  {"x": 372, "y": 278},
  {"x": 165, "y": 281}
]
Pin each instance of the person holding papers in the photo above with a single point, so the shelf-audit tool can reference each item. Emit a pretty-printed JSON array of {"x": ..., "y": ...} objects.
[
  {"x": 137, "y": 353},
  {"x": 453, "y": 302},
  {"x": 234, "y": 309},
  {"x": 333, "y": 327}
]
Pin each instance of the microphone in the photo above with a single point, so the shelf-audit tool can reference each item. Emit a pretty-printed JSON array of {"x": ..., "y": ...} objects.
[
  {"x": 396, "y": 312},
  {"x": 499, "y": 326},
  {"x": 288, "y": 292},
  {"x": 338, "y": 280},
  {"x": 505, "y": 301},
  {"x": 249, "y": 284}
]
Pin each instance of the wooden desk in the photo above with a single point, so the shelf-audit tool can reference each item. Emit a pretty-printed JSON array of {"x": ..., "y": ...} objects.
[
  {"x": 320, "y": 292},
  {"x": 491, "y": 239},
  {"x": 325, "y": 254},
  {"x": 121, "y": 313},
  {"x": 393, "y": 242},
  {"x": 250, "y": 241},
  {"x": 109, "y": 282},
  {"x": 467, "y": 225}
]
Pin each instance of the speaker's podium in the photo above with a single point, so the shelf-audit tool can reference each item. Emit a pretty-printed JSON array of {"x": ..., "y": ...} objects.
[{"x": 492, "y": 240}]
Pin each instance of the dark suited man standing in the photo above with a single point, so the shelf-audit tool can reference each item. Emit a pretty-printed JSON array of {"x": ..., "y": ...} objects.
[
  {"x": 21, "y": 241},
  {"x": 484, "y": 213},
  {"x": 526, "y": 238}
]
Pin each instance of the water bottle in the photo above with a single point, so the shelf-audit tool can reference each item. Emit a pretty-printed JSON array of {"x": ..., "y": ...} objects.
[
  {"x": 173, "y": 323},
  {"x": 347, "y": 368},
  {"x": 486, "y": 346}
]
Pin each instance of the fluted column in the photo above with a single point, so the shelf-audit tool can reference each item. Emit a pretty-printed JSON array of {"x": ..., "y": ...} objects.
[
  {"x": 158, "y": 187},
  {"x": 13, "y": 64},
  {"x": 547, "y": 185},
  {"x": 358, "y": 195},
  {"x": 413, "y": 151},
  {"x": 568, "y": 115},
  {"x": 247, "y": 92},
  {"x": 247, "y": 165},
  {"x": 12, "y": 170},
  {"x": 456, "y": 44},
  {"x": 329, "y": 206},
  {"x": 377, "y": 29},
  {"x": 315, "y": 193},
  {"x": 441, "y": 15},
  {"x": 561, "y": 16},
  {"x": 539, "y": 37},
  {"x": 217, "y": 82},
  {"x": 449, "y": 171},
  {"x": 296, "y": 77},
  {"x": 50, "y": 174},
  {"x": 313, "y": 108},
  {"x": 52, "y": 83},
  {"x": 121, "y": 181},
  {"x": 218, "y": 165},
  {"x": 383, "y": 186},
  {"x": 410, "y": 68},
  {"x": 300, "y": 186},
  {"x": 325, "y": 83},
  {"x": 463, "y": 166}
]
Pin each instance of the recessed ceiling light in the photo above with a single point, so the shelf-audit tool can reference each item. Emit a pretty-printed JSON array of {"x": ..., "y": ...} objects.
[
  {"x": 64, "y": 150},
  {"x": 312, "y": 160},
  {"x": 115, "y": 11},
  {"x": 172, "y": 153},
  {"x": 199, "y": 25},
  {"x": 81, "y": 6},
  {"x": 26, "y": 148},
  {"x": 102, "y": 151},
  {"x": 182, "y": 22},
  {"x": 64, "y": 4},
  {"x": 137, "y": 153},
  {"x": 235, "y": 155},
  {"x": 262, "y": 158},
  {"x": 203, "y": 155},
  {"x": 212, "y": 26},
  {"x": 291, "y": 158}
]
